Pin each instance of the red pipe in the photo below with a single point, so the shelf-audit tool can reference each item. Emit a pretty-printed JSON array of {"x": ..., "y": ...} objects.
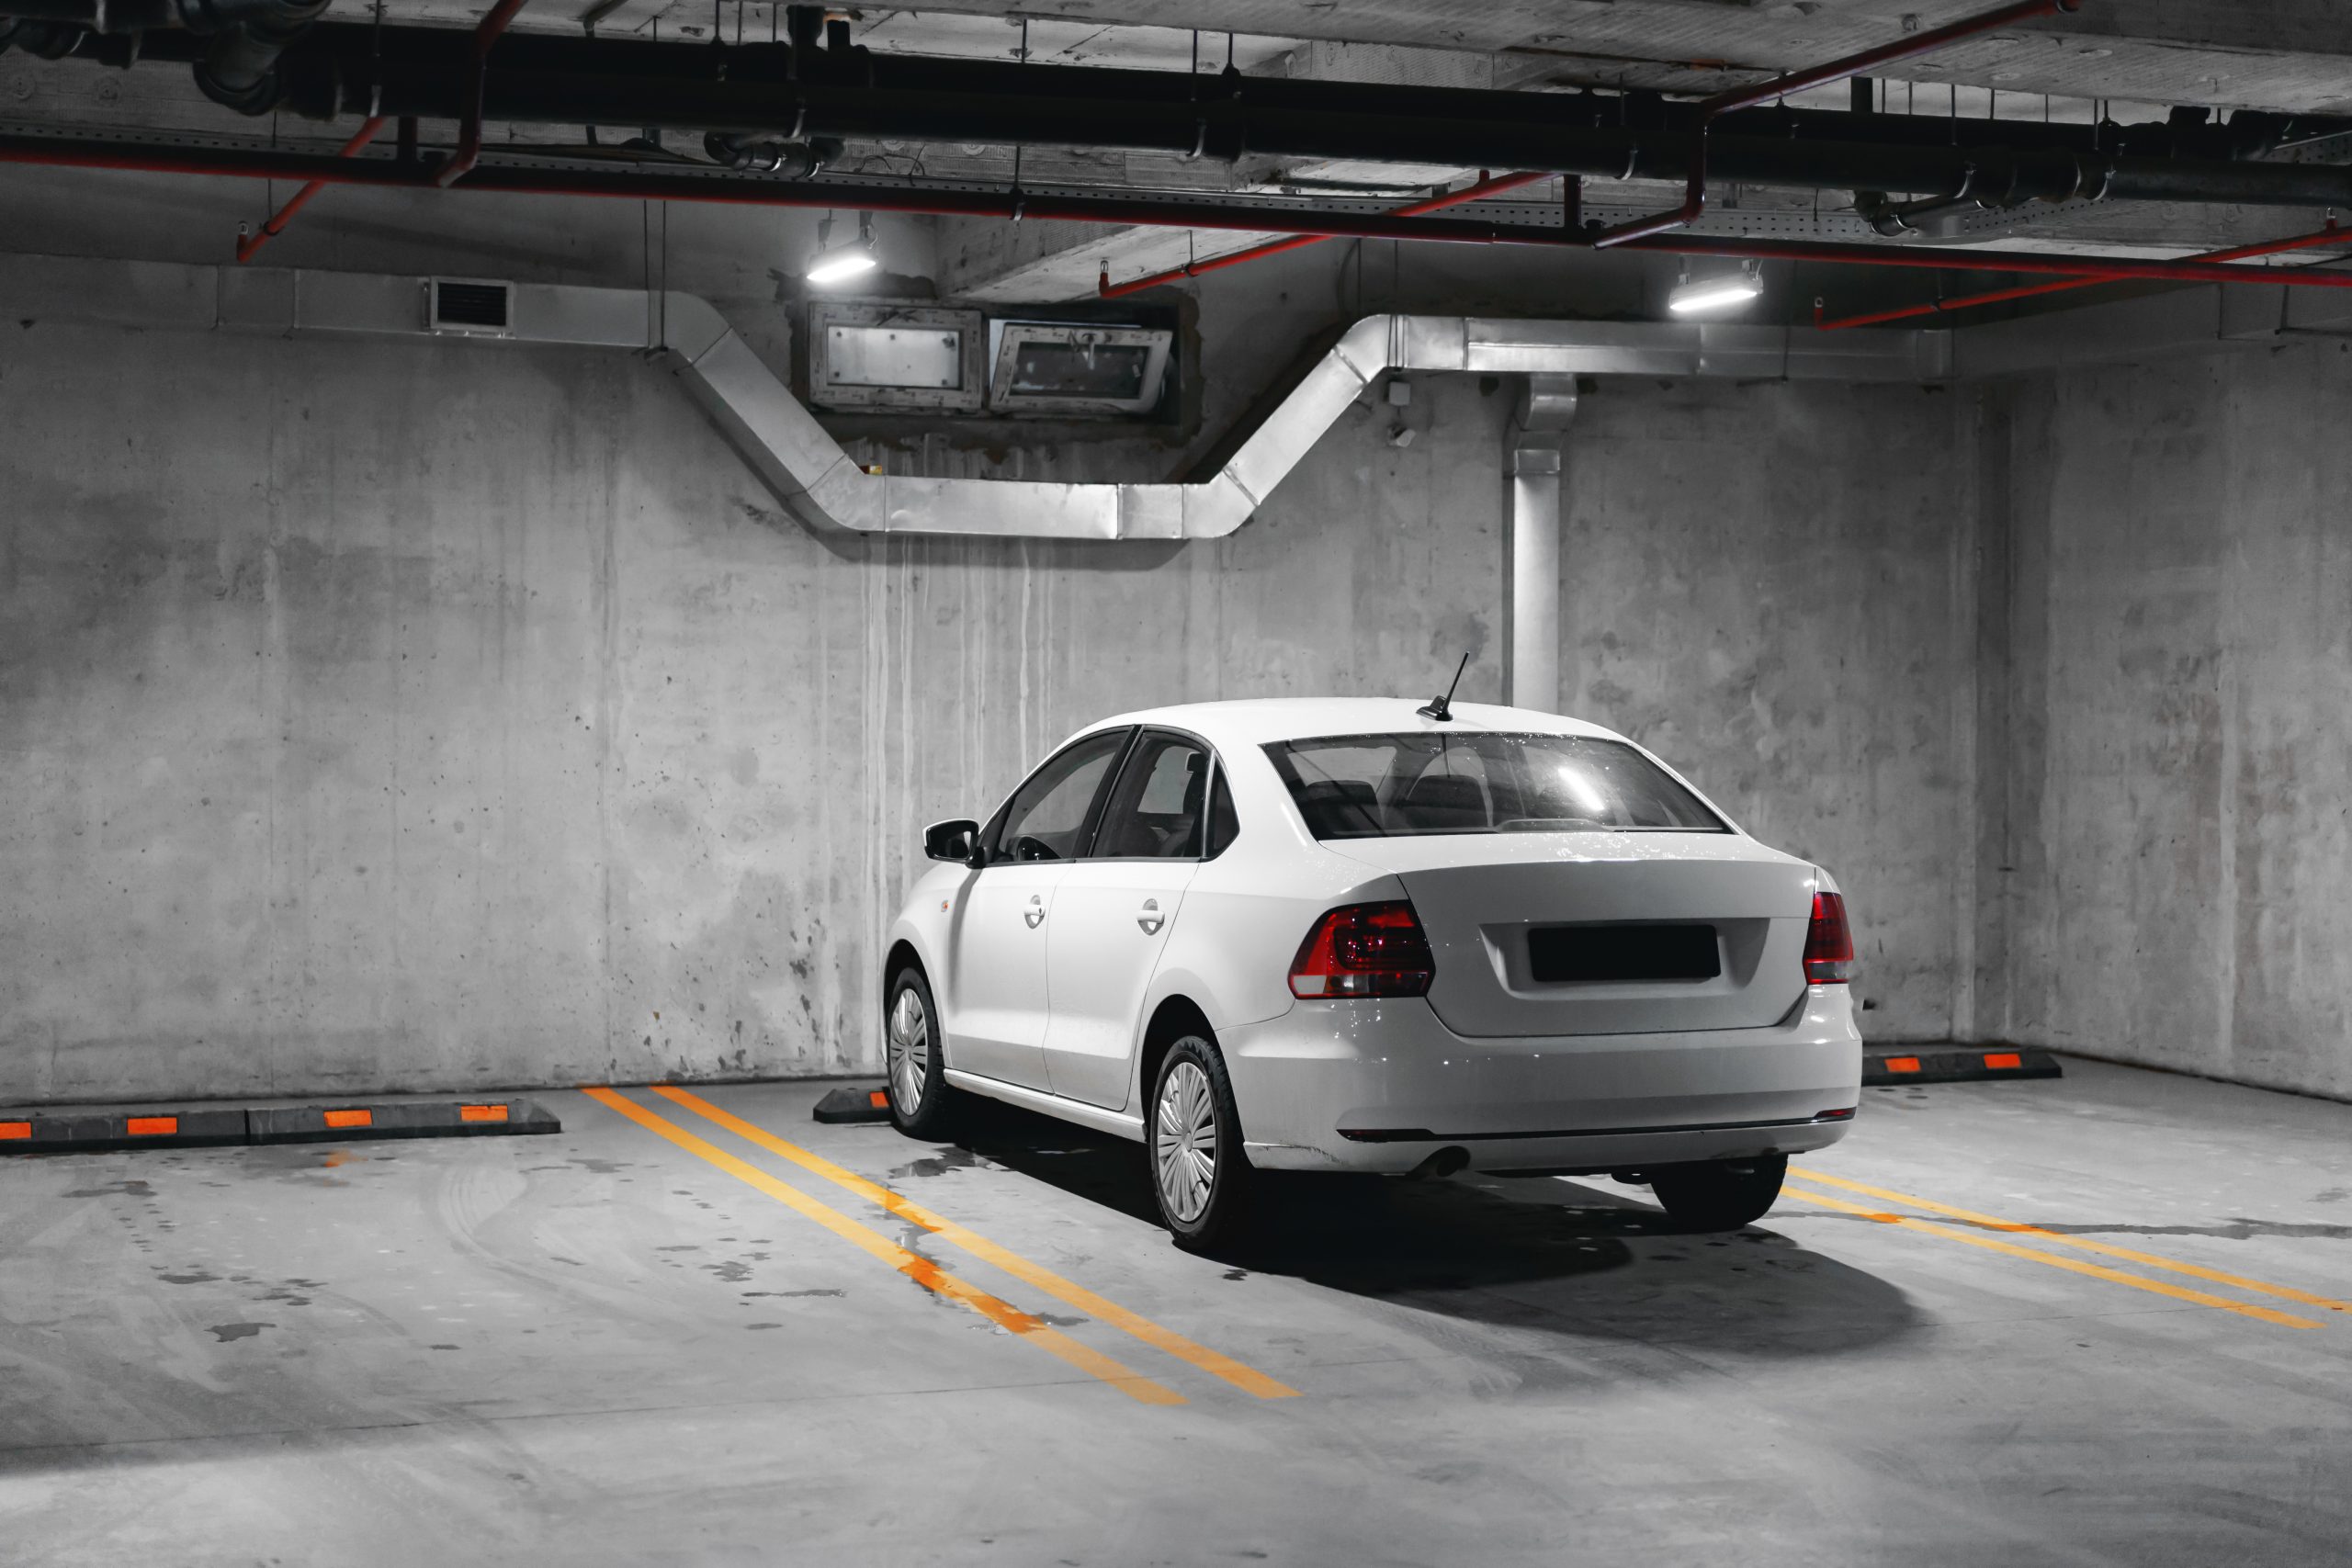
[
  {"x": 276, "y": 223},
  {"x": 1484, "y": 186},
  {"x": 470, "y": 131},
  {"x": 1694, "y": 195},
  {"x": 723, "y": 190},
  {"x": 2031, "y": 290}
]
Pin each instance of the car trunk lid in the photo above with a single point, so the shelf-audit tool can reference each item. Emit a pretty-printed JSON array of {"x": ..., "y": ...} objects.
[{"x": 1603, "y": 933}]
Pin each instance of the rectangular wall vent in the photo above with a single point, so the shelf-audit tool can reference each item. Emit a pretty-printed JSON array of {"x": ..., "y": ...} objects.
[
  {"x": 874, "y": 354},
  {"x": 472, "y": 306},
  {"x": 1067, "y": 368}
]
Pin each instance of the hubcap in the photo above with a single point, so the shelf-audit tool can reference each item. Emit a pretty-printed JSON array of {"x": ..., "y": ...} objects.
[
  {"x": 1187, "y": 1144},
  {"x": 909, "y": 1051}
]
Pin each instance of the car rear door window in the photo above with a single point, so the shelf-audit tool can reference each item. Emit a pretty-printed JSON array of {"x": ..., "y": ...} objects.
[
  {"x": 1224, "y": 823},
  {"x": 1047, "y": 817},
  {"x": 1156, "y": 807}
]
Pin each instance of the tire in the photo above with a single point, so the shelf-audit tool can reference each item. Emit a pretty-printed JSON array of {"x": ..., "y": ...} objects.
[
  {"x": 1720, "y": 1195},
  {"x": 923, "y": 1103},
  {"x": 1193, "y": 1147}
]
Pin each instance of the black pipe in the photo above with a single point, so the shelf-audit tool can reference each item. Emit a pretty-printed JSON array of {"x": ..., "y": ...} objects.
[
  {"x": 676, "y": 70},
  {"x": 347, "y": 54},
  {"x": 793, "y": 160},
  {"x": 2011, "y": 174},
  {"x": 240, "y": 68},
  {"x": 780, "y": 93},
  {"x": 42, "y": 41}
]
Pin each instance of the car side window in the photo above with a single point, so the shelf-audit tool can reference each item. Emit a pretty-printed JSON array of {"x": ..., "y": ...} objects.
[
  {"x": 1225, "y": 826},
  {"x": 1155, "y": 811},
  {"x": 1047, "y": 817}
]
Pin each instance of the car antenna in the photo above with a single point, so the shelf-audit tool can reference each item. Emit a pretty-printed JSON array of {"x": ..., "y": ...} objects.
[{"x": 1441, "y": 709}]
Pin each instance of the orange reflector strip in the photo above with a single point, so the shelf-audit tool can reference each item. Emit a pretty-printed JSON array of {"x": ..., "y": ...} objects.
[
  {"x": 154, "y": 1126},
  {"x": 1999, "y": 1059},
  {"x": 481, "y": 1113},
  {"x": 1902, "y": 1064},
  {"x": 351, "y": 1118},
  {"x": 879, "y": 1099},
  {"x": 15, "y": 1130}
]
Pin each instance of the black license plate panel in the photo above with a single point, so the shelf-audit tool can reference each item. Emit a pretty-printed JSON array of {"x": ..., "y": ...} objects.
[{"x": 1596, "y": 954}]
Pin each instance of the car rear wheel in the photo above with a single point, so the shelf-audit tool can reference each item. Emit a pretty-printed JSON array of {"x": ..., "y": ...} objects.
[
  {"x": 1719, "y": 1195},
  {"x": 923, "y": 1105},
  {"x": 1193, "y": 1139}
]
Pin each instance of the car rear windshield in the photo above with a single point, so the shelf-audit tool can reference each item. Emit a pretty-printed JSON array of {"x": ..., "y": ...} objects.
[{"x": 1372, "y": 786}]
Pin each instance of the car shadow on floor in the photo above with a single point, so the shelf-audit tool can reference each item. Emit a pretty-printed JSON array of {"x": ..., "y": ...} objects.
[{"x": 1568, "y": 1257}]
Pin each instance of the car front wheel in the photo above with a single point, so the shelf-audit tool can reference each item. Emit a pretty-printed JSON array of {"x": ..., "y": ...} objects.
[
  {"x": 1719, "y": 1195},
  {"x": 921, "y": 1102},
  {"x": 1199, "y": 1172}
]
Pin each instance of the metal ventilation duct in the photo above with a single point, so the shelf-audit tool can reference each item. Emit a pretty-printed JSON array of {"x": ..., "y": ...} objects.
[
  {"x": 780, "y": 439},
  {"x": 792, "y": 453}
]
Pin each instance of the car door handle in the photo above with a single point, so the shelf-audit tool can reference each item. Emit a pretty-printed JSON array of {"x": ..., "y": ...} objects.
[
  {"x": 1150, "y": 919},
  {"x": 1035, "y": 913}
]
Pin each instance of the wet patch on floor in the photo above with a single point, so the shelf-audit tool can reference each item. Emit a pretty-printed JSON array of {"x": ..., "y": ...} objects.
[
  {"x": 131, "y": 1189},
  {"x": 939, "y": 1164},
  {"x": 225, "y": 1332}
]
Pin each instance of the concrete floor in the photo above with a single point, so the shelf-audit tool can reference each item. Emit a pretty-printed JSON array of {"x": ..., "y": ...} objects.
[{"x": 604, "y": 1348}]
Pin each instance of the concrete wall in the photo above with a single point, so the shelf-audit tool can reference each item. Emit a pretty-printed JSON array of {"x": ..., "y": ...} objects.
[
  {"x": 413, "y": 715},
  {"x": 2171, "y": 859},
  {"x": 417, "y": 715},
  {"x": 1772, "y": 585}
]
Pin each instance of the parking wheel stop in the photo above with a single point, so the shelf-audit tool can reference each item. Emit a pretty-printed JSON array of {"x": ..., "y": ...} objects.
[
  {"x": 74, "y": 1132},
  {"x": 850, "y": 1103},
  {"x": 1969, "y": 1064}
]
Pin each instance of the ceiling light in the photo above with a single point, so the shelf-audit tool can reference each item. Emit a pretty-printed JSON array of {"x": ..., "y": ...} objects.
[
  {"x": 1724, "y": 292},
  {"x": 833, "y": 263}
]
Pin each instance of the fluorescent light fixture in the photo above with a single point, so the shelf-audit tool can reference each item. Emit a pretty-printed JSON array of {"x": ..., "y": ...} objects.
[
  {"x": 1724, "y": 292},
  {"x": 833, "y": 263}
]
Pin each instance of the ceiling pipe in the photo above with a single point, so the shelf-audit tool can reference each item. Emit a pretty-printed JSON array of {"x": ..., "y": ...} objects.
[
  {"x": 776, "y": 91},
  {"x": 901, "y": 197},
  {"x": 1694, "y": 195},
  {"x": 274, "y": 224},
  {"x": 477, "y": 66},
  {"x": 1484, "y": 186},
  {"x": 237, "y": 47},
  {"x": 2332, "y": 234}
]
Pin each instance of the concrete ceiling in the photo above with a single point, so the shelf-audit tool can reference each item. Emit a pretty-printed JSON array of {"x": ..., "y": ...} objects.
[
  {"x": 2277, "y": 54},
  {"x": 2131, "y": 58}
]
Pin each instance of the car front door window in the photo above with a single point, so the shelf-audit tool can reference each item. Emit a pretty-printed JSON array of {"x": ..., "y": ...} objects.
[
  {"x": 997, "y": 993},
  {"x": 1115, "y": 912},
  {"x": 1047, "y": 819}
]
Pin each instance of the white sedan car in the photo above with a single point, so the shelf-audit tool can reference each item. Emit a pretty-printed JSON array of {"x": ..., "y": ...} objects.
[{"x": 1352, "y": 936}]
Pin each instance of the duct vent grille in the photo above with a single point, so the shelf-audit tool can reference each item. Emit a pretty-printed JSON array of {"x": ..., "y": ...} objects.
[{"x": 464, "y": 305}]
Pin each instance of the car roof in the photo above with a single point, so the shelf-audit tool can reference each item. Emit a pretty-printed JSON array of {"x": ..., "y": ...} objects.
[{"x": 1253, "y": 721}]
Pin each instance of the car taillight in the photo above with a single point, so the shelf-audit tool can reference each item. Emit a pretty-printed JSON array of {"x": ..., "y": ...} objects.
[
  {"x": 1828, "y": 944},
  {"x": 1364, "y": 950}
]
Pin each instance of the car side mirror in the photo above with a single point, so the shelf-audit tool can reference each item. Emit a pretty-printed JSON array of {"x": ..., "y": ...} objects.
[{"x": 958, "y": 840}]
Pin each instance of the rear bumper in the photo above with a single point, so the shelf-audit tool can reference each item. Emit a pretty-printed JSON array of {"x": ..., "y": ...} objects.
[{"x": 1381, "y": 1086}]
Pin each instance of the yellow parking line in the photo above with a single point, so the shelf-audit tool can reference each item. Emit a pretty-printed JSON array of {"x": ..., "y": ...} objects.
[
  {"x": 2239, "y": 1281},
  {"x": 1213, "y": 1362},
  {"x": 2072, "y": 1265},
  {"x": 921, "y": 1271}
]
